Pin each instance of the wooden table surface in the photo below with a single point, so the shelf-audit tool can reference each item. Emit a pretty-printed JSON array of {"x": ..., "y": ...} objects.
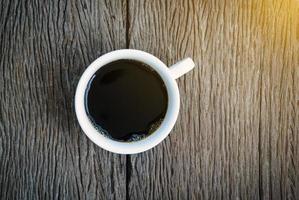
[{"x": 237, "y": 135}]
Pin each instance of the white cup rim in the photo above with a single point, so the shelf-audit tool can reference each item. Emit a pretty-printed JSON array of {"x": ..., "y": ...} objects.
[{"x": 153, "y": 139}]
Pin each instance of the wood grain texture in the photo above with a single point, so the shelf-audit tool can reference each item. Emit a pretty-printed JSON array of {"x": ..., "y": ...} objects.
[
  {"x": 279, "y": 87},
  {"x": 237, "y": 133},
  {"x": 44, "y": 48}
]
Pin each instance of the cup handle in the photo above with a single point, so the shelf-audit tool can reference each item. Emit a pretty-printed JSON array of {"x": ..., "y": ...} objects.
[{"x": 182, "y": 67}]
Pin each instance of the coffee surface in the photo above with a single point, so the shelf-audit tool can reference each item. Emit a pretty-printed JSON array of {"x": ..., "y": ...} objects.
[{"x": 126, "y": 100}]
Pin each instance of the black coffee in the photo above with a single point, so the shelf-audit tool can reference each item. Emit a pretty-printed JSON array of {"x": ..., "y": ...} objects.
[{"x": 126, "y": 100}]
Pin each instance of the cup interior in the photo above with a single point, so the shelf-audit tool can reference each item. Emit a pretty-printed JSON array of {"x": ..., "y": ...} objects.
[{"x": 152, "y": 139}]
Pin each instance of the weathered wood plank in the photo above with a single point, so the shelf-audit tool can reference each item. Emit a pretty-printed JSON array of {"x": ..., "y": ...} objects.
[
  {"x": 237, "y": 134},
  {"x": 279, "y": 90},
  {"x": 44, "y": 48}
]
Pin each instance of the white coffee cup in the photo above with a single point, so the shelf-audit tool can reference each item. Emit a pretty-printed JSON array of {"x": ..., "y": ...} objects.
[{"x": 168, "y": 75}]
